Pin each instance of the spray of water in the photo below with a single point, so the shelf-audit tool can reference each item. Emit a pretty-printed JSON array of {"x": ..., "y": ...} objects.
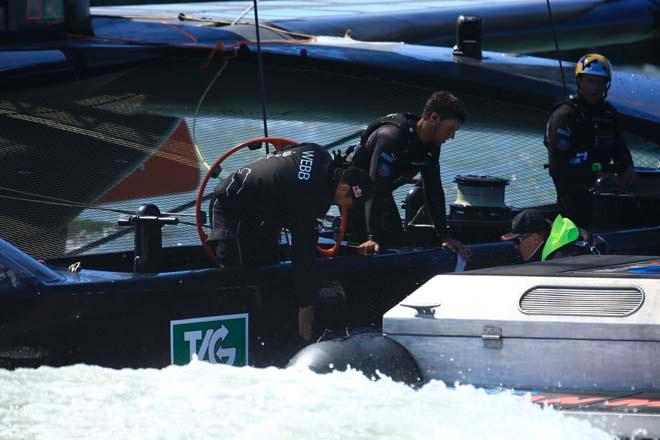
[{"x": 201, "y": 401}]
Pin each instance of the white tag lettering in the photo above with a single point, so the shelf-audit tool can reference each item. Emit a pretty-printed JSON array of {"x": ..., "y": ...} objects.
[{"x": 305, "y": 168}]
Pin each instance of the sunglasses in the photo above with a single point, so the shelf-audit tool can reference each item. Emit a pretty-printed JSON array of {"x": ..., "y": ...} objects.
[{"x": 519, "y": 239}]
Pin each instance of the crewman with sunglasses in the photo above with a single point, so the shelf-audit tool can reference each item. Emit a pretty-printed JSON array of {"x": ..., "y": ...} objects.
[{"x": 538, "y": 239}]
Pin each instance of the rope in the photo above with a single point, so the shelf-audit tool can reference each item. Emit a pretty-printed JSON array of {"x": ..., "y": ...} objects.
[
  {"x": 260, "y": 66},
  {"x": 199, "y": 104},
  {"x": 242, "y": 14},
  {"x": 211, "y": 21},
  {"x": 554, "y": 35},
  {"x": 47, "y": 200}
]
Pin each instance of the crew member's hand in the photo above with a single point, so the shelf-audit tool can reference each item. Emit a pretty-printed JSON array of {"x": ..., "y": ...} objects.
[
  {"x": 368, "y": 248},
  {"x": 305, "y": 320},
  {"x": 457, "y": 247},
  {"x": 629, "y": 177}
]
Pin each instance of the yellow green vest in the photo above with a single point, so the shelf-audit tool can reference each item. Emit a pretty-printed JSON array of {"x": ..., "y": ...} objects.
[{"x": 563, "y": 232}]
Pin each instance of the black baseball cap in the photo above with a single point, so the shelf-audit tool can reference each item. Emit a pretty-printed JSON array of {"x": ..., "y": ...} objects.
[
  {"x": 527, "y": 222},
  {"x": 359, "y": 181}
]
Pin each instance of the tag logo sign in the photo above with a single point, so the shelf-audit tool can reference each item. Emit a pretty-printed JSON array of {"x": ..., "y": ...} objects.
[{"x": 215, "y": 339}]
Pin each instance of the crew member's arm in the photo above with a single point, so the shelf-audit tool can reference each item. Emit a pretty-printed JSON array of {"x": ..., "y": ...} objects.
[
  {"x": 434, "y": 200},
  {"x": 381, "y": 171},
  {"x": 304, "y": 238},
  {"x": 434, "y": 197},
  {"x": 561, "y": 142}
]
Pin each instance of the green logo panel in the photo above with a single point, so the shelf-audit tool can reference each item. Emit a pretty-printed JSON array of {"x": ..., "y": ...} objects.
[{"x": 215, "y": 339}]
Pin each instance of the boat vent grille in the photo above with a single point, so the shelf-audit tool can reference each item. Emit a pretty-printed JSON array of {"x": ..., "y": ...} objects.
[{"x": 582, "y": 301}]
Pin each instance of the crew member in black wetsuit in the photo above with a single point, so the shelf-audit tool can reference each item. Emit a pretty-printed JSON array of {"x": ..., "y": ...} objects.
[
  {"x": 291, "y": 188},
  {"x": 398, "y": 146},
  {"x": 584, "y": 141}
]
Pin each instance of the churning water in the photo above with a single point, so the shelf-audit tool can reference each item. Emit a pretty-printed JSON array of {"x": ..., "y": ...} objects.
[{"x": 201, "y": 401}]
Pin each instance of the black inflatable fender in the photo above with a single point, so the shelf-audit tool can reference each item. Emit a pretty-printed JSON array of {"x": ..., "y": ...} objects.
[{"x": 371, "y": 353}]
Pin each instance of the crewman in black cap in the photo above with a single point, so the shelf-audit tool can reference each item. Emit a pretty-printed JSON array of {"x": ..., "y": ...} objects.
[
  {"x": 538, "y": 239},
  {"x": 396, "y": 148},
  {"x": 585, "y": 143},
  {"x": 290, "y": 188}
]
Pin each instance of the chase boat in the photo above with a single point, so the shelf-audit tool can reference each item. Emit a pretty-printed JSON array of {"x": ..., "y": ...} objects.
[{"x": 580, "y": 333}]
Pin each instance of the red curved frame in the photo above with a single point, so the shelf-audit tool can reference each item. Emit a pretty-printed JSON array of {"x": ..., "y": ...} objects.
[{"x": 278, "y": 143}]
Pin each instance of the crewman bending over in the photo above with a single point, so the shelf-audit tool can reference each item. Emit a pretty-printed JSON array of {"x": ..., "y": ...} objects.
[
  {"x": 291, "y": 188},
  {"x": 398, "y": 146}
]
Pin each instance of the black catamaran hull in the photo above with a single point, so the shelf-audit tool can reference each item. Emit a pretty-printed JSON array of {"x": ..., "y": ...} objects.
[
  {"x": 120, "y": 319},
  {"x": 97, "y": 311}
]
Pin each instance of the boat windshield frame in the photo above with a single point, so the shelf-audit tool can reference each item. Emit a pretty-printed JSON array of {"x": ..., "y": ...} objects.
[{"x": 25, "y": 266}]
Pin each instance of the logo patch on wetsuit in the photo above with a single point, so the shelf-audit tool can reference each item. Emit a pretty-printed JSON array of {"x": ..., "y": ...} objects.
[
  {"x": 357, "y": 191},
  {"x": 305, "y": 168},
  {"x": 279, "y": 154},
  {"x": 384, "y": 169},
  {"x": 562, "y": 144},
  {"x": 238, "y": 180},
  {"x": 385, "y": 164},
  {"x": 579, "y": 158},
  {"x": 563, "y": 138}
]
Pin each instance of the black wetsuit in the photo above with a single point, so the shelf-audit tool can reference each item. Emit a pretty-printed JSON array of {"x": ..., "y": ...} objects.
[
  {"x": 292, "y": 189},
  {"x": 579, "y": 247},
  {"x": 579, "y": 135},
  {"x": 390, "y": 150}
]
